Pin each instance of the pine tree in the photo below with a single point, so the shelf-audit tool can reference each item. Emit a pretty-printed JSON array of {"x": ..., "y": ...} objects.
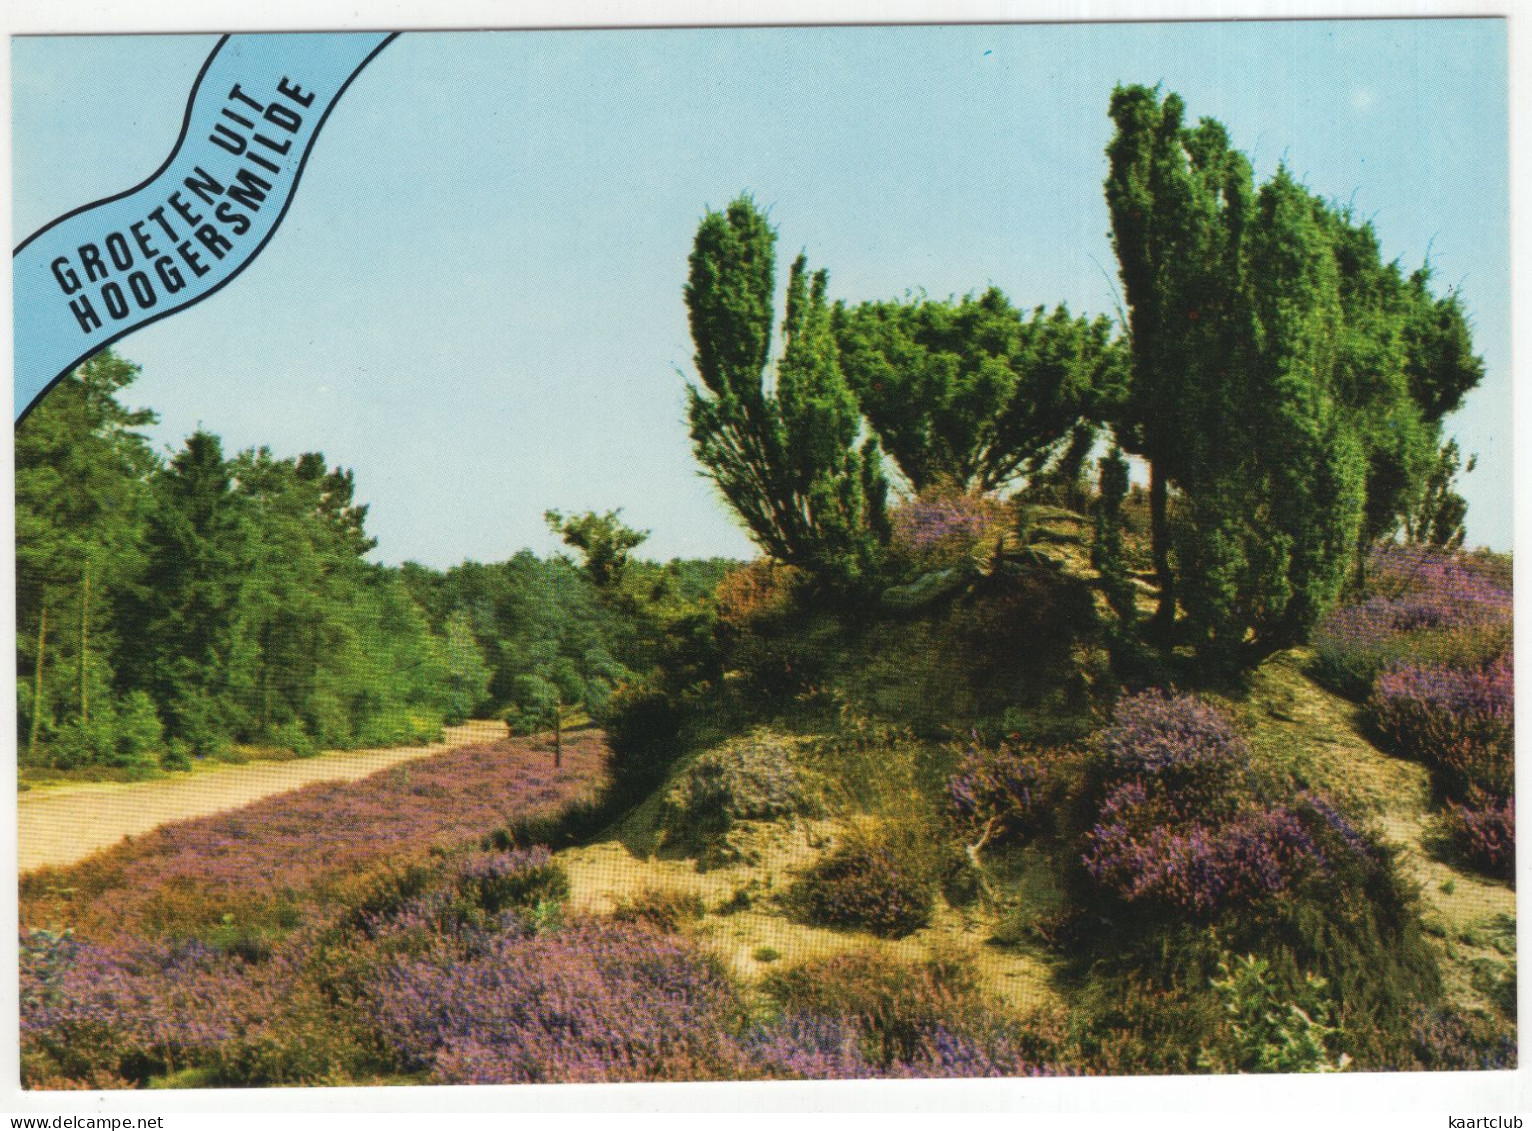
[
  {"x": 81, "y": 500},
  {"x": 184, "y": 617}
]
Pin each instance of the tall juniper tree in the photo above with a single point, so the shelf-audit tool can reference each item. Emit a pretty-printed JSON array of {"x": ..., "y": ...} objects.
[
  {"x": 1178, "y": 200},
  {"x": 1286, "y": 383},
  {"x": 787, "y": 455}
]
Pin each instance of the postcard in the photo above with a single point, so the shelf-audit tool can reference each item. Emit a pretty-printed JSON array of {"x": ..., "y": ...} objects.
[{"x": 765, "y": 555}]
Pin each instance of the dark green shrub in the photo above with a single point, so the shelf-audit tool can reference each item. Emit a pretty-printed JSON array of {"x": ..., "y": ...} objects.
[
  {"x": 643, "y": 723},
  {"x": 866, "y": 883},
  {"x": 666, "y": 909},
  {"x": 176, "y": 756},
  {"x": 292, "y": 736},
  {"x": 123, "y": 735}
]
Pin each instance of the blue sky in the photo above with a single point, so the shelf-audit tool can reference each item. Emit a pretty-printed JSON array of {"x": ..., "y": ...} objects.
[{"x": 475, "y": 299}]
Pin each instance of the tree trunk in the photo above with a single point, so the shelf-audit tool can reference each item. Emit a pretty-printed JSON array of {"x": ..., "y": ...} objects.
[
  {"x": 558, "y": 733},
  {"x": 1159, "y": 527},
  {"x": 84, "y": 642},
  {"x": 265, "y": 681},
  {"x": 37, "y": 692}
]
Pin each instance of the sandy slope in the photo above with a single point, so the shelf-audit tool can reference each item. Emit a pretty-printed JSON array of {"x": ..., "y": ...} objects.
[{"x": 61, "y": 824}]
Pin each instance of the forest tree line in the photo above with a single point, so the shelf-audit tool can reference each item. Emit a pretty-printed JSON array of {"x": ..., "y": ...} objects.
[{"x": 171, "y": 608}]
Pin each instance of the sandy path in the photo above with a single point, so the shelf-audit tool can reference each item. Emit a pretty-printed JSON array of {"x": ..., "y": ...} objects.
[{"x": 62, "y": 824}]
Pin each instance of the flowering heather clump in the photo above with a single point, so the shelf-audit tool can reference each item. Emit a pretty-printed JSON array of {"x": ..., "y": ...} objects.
[
  {"x": 803, "y": 1047},
  {"x": 1482, "y": 831},
  {"x": 199, "y": 945},
  {"x": 1155, "y": 733},
  {"x": 1462, "y": 582},
  {"x": 137, "y": 1010},
  {"x": 1183, "y": 751},
  {"x": 1446, "y": 1040},
  {"x": 1199, "y": 868},
  {"x": 1007, "y": 791},
  {"x": 1458, "y": 722},
  {"x": 867, "y": 884},
  {"x": 587, "y": 1003},
  {"x": 1178, "y": 827},
  {"x": 1357, "y": 642},
  {"x": 189, "y": 875},
  {"x": 860, "y": 1014},
  {"x": 522, "y": 879},
  {"x": 1424, "y": 606},
  {"x": 940, "y": 528},
  {"x": 1430, "y": 651}
]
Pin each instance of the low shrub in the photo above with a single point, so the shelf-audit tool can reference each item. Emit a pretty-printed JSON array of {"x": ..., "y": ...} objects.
[
  {"x": 1458, "y": 722},
  {"x": 123, "y": 734},
  {"x": 525, "y": 879},
  {"x": 666, "y": 909},
  {"x": 1183, "y": 752},
  {"x": 134, "y": 1011},
  {"x": 591, "y": 1002},
  {"x": 943, "y": 527},
  {"x": 643, "y": 721},
  {"x": 1481, "y": 833},
  {"x": 177, "y": 756},
  {"x": 1009, "y": 793},
  {"x": 1273, "y": 1028},
  {"x": 292, "y": 736},
  {"x": 1190, "y": 857},
  {"x": 1474, "y": 585},
  {"x": 761, "y": 590},
  {"x": 1449, "y": 1040},
  {"x": 1200, "y": 867},
  {"x": 1422, "y": 606},
  {"x": 395, "y": 726},
  {"x": 862, "y": 1014},
  {"x": 866, "y": 883},
  {"x": 753, "y": 779},
  {"x": 1133, "y": 1024},
  {"x": 1183, "y": 827}
]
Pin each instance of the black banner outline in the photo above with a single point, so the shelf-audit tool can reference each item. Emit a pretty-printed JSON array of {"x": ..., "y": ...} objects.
[{"x": 174, "y": 152}]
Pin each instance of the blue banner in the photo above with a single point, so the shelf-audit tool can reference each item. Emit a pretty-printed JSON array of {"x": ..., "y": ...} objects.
[{"x": 110, "y": 267}]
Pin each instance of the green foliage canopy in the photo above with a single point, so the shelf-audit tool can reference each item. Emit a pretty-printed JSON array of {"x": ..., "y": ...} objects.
[
  {"x": 786, "y": 458},
  {"x": 971, "y": 393},
  {"x": 1285, "y": 381}
]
